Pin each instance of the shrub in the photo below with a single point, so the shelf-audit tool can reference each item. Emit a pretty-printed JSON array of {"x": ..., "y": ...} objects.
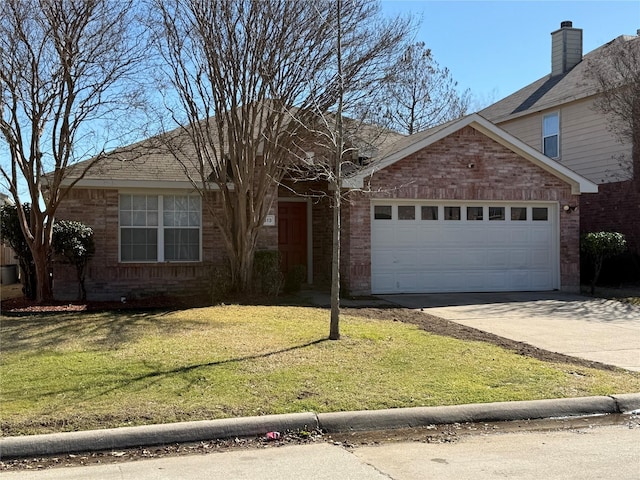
[
  {"x": 598, "y": 246},
  {"x": 266, "y": 272},
  {"x": 74, "y": 241},
  {"x": 220, "y": 283}
]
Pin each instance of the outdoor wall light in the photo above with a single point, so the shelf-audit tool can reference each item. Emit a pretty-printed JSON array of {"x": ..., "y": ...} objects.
[{"x": 570, "y": 208}]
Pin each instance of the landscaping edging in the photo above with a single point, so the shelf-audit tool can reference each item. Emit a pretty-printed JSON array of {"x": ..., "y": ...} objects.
[{"x": 148, "y": 435}]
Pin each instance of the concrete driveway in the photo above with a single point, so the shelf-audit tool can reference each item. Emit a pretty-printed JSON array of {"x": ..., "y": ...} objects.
[{"x": 605, "y": 331}]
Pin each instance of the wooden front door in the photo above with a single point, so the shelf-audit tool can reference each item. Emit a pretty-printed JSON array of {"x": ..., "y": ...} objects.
[{"x": 292, "y": 234}]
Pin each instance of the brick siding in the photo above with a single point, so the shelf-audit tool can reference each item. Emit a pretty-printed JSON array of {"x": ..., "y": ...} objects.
[
  {"x": 440, "y": 172},
  {"x": 616, "y": 207},
  {"x": 108, "y": 279}
]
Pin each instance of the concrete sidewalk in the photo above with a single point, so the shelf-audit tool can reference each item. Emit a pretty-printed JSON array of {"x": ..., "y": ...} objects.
[{"x": 600, "y": 330}]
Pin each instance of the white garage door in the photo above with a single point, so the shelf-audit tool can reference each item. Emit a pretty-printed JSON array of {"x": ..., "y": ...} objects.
[{"x": 422, "y": 247}]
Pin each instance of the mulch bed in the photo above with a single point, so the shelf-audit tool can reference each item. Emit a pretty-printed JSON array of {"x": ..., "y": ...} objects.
[
  {"x": 21, "y": 305},
  {"x": 440, "y": 326}
]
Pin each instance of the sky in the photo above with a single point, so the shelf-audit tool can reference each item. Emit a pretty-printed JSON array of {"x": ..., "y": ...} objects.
[{"x": 494, "y": 48}]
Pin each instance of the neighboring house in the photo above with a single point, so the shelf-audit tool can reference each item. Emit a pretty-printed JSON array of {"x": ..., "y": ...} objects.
[
  {"x": 461, "y": 207},
  {"x": 8, "y": 260},
  {"x": 556, "y": 115}
]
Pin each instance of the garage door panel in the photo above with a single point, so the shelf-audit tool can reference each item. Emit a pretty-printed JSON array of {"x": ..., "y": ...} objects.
[
  {"x": 415, "y": 256},
  {"x": 539, "y": 258},
  {"x": 519, "y": 280},
  {"x": 496, "y": 236},
  {"x": 518, "y": 258},
  {"x": 385, "y": 236},
  {"x": 405, "y": 236},
  {"x": 471, "y": 258},
  {"x": 498, "y": 258},
  {"x": 477, "y": 280},
  {"x": 495, "y": 280},
  {"x": 518, "y": 235}
]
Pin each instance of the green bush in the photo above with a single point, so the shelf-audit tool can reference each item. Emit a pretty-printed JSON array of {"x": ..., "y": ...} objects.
[
  {"x": 74, "y": 242},
  {"x": 598, "y": 246},
  {"x": 266, "y": 272},
  {"x": 220, "y": 283}
]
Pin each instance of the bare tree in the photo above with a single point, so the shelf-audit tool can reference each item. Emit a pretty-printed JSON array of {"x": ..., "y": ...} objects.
[
  {"x": 420, "y": 93},
  {"x": 65, "y": 65},
  {"x": 365, "y": 46},
  {"x": 249, "y": 77},
  {"x": 616, "y": 73}
]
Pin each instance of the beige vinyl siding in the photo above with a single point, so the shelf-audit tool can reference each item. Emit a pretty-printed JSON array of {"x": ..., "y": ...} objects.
[
  {"x": 589, "y": 147},
  {"x": 528, "y": 129},
  {"x": 586, "y": 145}
]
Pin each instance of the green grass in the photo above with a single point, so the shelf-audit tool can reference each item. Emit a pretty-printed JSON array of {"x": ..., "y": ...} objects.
[{"x": 80, "y": 371}]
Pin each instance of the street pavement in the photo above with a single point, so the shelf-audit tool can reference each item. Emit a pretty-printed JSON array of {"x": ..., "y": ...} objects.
[
  {"x": 592, "y": 452},
  {"x": 605, "y": 331}
]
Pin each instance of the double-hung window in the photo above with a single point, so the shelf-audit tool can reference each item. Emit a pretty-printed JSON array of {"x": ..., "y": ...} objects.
[
  {"x": 160, "y": 228},
  {"x": 551, "y": 135}
]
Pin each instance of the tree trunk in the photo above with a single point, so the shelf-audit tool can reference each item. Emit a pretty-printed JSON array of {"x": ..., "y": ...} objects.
[
  {"x": 597, "y": 268},
  {"x": 334, "y": 327},
  {"x": 240, "y": 251},
  {"x": 80, "y": 272},
  {"x": 44, "y": 292}
]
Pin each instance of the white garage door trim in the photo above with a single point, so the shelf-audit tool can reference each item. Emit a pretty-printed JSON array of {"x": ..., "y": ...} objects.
[{"x": 510, "y": 247}]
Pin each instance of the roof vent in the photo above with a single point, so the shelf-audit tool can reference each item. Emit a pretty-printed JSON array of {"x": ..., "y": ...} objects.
[{"x": 566, "y": 48}]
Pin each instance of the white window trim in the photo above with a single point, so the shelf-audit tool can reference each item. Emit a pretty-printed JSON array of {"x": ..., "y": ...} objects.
[
  {"x": 160, "y": 229},
  {"x": 557, "y": 114}
]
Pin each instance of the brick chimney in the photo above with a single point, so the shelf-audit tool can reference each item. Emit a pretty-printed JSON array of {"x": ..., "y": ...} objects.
[{"x": 566, "y": 48}]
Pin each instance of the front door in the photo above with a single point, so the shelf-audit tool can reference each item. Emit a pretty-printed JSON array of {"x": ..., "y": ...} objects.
[{"x": 292, "y": 235}]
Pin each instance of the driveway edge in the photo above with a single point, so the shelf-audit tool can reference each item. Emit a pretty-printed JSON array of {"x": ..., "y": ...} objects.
[{"x": 148, "y": 435}]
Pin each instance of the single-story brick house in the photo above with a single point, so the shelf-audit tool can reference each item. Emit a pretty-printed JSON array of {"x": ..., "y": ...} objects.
[{"x": 461, "y": 207}]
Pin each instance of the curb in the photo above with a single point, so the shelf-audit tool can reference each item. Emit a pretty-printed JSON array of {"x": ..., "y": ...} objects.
[
  {"x": 147, "y": 435},
  {"x": 128, "y": 437}
]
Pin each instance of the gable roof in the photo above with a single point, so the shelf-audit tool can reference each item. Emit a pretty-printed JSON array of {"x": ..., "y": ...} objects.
[
  {"x": 551, "y": 91},
  {"x": 418, "y": 141}
]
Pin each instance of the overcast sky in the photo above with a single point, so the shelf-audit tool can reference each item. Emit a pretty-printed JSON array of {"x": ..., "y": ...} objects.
[{"x": 495, "y": 48}]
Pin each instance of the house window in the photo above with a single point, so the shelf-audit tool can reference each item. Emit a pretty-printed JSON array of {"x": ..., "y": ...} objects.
[
  {"x": 429, "y": 212},
  {"x": 539, "y": 214},
  {"x": 452, "y": 213},
  {"x": 518, "y": 214},
  {"x": 496, "y": 213},
  {"x": 551, "y": 135},
  {"x": 474, "y": 213},
  {"x": 382, "y": 212},
  {"x": 406, "y": 212},
  {"x": 160, "y": 228}
]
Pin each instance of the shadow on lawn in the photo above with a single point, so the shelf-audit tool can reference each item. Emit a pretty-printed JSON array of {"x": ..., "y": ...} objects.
[
  {"x": 156, "y": 376},
  {"x": 99, "y": 330}
]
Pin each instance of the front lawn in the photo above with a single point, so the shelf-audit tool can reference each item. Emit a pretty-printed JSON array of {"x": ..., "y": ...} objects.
[{"x": 62, "y": 372}]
